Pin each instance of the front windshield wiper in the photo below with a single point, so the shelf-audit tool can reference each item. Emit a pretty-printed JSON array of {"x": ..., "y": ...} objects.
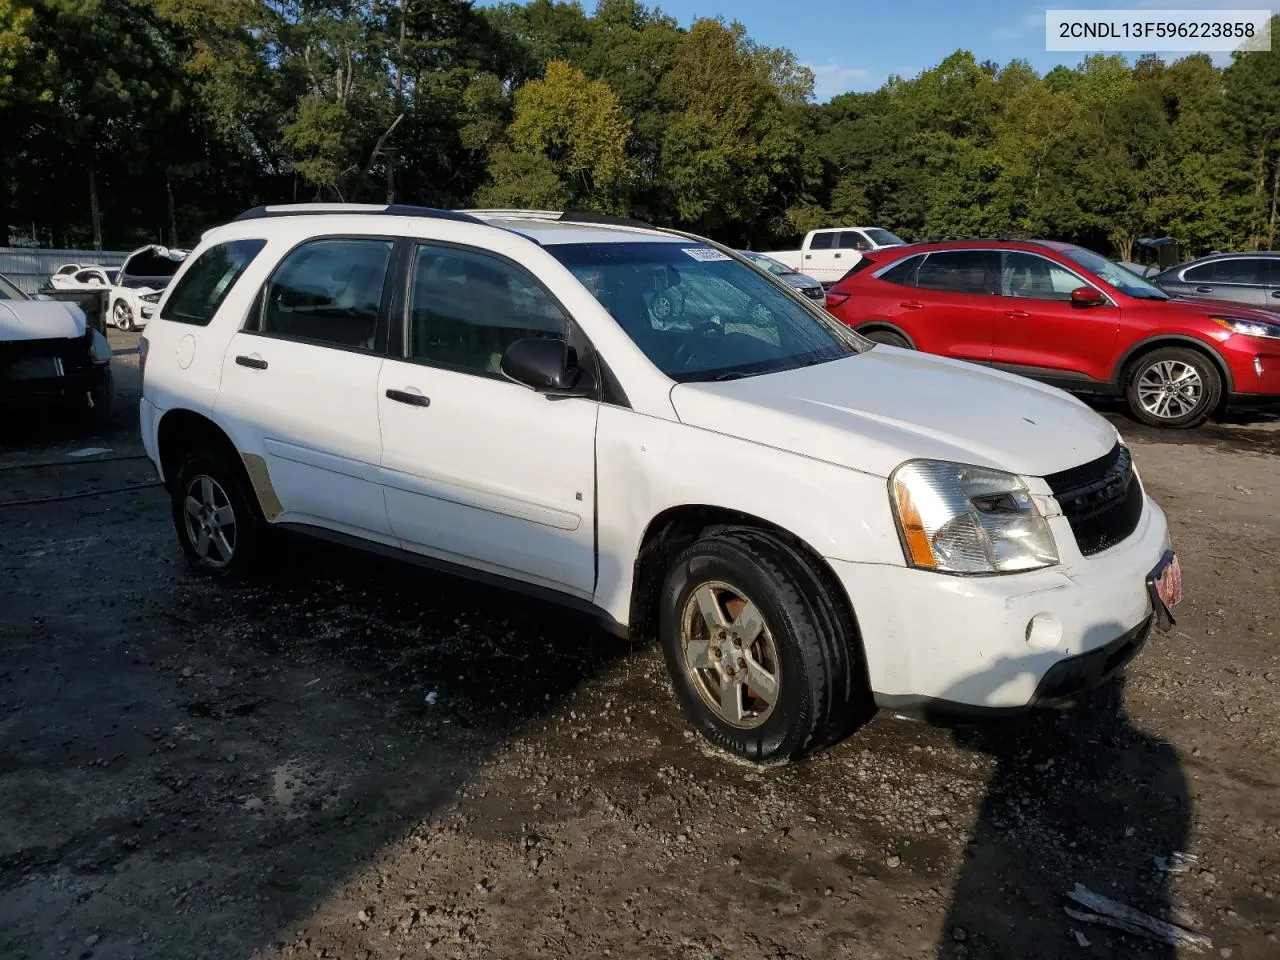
[{"x": 729, "y": 375}]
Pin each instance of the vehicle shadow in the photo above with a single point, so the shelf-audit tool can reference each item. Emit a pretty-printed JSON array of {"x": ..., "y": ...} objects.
[
  {"x": 1078, "y": 795},
  {"x": 202, "y": 764}
]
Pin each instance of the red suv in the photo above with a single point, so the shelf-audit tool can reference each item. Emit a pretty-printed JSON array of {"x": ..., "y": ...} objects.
[{"x": 1067, "y": 316}]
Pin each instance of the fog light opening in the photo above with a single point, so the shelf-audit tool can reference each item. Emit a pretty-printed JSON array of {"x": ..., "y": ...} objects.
[{"x": 1044, "y": 632}]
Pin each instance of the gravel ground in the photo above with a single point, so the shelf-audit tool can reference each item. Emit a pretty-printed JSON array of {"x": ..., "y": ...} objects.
[{"x": 356, "y": 759}]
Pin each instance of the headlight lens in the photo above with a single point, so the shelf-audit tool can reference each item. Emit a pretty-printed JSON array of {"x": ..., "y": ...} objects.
[
  {"x": 1249, "y": 328},
  {"x": 150, "y": 297},
  {"x": 956, "y": 518}
]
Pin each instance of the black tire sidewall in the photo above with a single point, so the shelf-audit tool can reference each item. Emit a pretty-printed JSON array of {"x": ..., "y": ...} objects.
[
  {"x": 1209, "y": 375},
  {"x": 888, "y": 338},
  {"x": 785, "y": 732},
  {"x": 250, "y": 526}
]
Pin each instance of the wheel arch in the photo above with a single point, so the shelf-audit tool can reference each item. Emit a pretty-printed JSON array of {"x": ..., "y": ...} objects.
[
  {"x": 1120, "y": 375},
  {"x": 181, "y": 430},
  {"x": 888, "y": 326}
]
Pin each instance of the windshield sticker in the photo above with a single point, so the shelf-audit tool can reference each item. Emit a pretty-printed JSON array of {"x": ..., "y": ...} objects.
[{"x": 705, "y": 253}]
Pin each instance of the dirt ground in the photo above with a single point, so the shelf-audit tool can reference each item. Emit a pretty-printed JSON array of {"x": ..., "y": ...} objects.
[{"x": 355, "y": 759}]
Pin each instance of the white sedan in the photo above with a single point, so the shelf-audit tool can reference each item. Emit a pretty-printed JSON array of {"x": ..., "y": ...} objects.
[
  {"x": 85, "y": 278},
  {"x": 143, "y": 276}
]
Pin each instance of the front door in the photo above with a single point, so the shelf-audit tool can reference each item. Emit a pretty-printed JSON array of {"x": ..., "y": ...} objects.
[
  {"x": 299, "y": 384},
  {"x": 1041, "y": 333},
  {"x": 477, "y": 469}
]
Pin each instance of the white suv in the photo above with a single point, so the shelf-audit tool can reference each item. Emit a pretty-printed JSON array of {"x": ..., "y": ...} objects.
[{"x": 640, "y": 422}]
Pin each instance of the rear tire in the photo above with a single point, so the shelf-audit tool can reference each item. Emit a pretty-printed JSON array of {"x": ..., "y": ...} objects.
[
  {"x": 216, "y": 516},
  {"x": 764, "y": 660},
  {"x": 1173, "y": 387},
  {"x": 888, "y": 338}
]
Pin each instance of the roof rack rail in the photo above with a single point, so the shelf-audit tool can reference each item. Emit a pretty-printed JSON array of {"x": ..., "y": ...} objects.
[
  {"x": 560, "y": 216},
  {"x": 591, "y": 216},
  {"x": 380, "y": 209}
]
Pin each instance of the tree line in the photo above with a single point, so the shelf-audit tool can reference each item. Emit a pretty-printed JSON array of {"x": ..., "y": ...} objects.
[{"x": 130, "y": 121}]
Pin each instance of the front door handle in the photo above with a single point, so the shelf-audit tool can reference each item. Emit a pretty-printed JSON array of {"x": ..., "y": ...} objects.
[
  {"x": 1016, "y": 314},
  {"x": 911, "y": 304},
  {"x": 837, "y": 256},
  {"x": 1204, "y": 289},
  {"x": 413, "y": 398},
  {"x": 252, "y": 361}
]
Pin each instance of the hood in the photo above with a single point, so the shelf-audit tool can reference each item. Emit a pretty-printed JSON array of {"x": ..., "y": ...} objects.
[
  {"x": 872, "y": 411},
  {"x": 152, "y": 266},
  {"x": 39, "y": 320},
  {"x": 1203, "y": 306}
]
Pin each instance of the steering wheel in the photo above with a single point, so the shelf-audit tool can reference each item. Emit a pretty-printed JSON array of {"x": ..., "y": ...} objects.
[{"x": 698, "y": 337}]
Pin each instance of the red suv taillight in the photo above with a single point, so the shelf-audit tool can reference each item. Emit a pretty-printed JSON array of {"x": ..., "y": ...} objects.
[{"x": 834, "y": 299}]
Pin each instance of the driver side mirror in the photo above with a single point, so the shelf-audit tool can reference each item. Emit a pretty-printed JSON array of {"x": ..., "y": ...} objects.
[
  {"x": 546, "y": 364},
  {"x": 1087, "y": 297}
]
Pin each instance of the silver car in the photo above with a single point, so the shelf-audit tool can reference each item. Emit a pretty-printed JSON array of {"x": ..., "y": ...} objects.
[
  {"x": 1252, "y": 278},
  {"x": 810, "y": 287}
]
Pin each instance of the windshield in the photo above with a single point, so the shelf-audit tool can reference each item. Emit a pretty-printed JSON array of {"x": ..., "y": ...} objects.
[
  {"x": 698, "y": 314},
  {"x": 1123, "y": 280},
  {"x": 770, "y": 264},
  {"x": 113, "y": 276},
  {"x": 9, "y": 290},
  {"x": 883, "y": 238}
]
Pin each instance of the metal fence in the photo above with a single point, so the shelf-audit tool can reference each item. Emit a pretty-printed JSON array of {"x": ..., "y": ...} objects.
[{"x": 31, "y": 267}]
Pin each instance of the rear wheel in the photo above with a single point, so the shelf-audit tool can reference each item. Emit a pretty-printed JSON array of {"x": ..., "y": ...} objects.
[
  {"x": 1173, "y": 387},
  {"x": 218, "y": 522},
  {"x": 764, "y": 661},
  {"x": 122, "y": 315},
  {"x": 888, "y": 338}
]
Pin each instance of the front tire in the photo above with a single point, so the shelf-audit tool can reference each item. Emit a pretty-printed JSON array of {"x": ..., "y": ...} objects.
[
  {"x": 1173, "y": 387},
  {"x": 216, "y": 516},
  {"x": 888, "y": 338},
  {"x": 122, "y": 315},
  {"x": 764, "y": 660}
]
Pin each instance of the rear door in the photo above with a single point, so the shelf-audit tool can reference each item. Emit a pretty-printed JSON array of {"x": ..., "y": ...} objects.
[
  {"x": 1039, "y": 332},
  {"x": 300, "y": 383},
  {"x": 952, "y": 309},
  {"x": 820, "y": 257}
]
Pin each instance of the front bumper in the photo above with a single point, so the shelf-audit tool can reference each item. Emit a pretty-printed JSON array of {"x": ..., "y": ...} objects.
[{"x": 993, "y": 643}]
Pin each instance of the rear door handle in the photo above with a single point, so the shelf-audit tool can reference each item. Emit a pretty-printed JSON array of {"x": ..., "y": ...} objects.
[
  {"x": 1019, "y": 314},
  {"x": 911, "y": 304},
  {"x": 1204, "y": 289},
  {"x": 411, "y": 397},
  {"x": 252, "y": 361}
]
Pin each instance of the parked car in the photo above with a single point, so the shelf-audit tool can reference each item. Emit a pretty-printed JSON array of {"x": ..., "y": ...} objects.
[
  {"x": 1250, "y": 278},
  {"x": 86, "y": 278},
  {"x": 811, "y": 524},
  {"x": 1069, "y": 317},
  {"x": 66, "y": 269},
  {"x": 827, "y": 254},
  {"x": 810, "y": 287},
  {"x": 48, "y": 354},
  {"x": 143, "y": 276}
]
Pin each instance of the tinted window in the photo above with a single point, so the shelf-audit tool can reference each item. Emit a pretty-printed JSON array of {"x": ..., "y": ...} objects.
[
  {"x": 823, "y": 241},
  {"x": 328, "y": 291},
  {"x": 903, "y": 272},
  {"x": 1271, "y": 271},
  {"x": 1035, "y": 278},
  {"x": 207, "y": 282},
  {"x": 90, "y": 276},
  {"x": 700, "y": 315},
  {"x": 466, "y": 308},
  {"x": 852, "y": 240},
  {"x": 1200, "y": 274},
  {"x": 1238, "y": 270},
  {"x": 69, "y": 268},
  {"x": 959, "y": 271}
]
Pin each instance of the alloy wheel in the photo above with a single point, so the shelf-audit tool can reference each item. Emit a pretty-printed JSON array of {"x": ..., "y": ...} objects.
[
  {"x": 1169, "y": 389},
  {"x": 730, "y": 654},
  {"x": 210, "y": 521}
]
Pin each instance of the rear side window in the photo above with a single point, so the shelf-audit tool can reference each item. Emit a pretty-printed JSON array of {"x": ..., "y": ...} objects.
[
  {"x": 958, "y": 271},
  {"x": 329, "y": 292},
  {"x": 1238, "y": 270},
  {"x": 201, "y": 290},
  {"x": 904, "y": 272},
  {"x": 823, "y": 241}
]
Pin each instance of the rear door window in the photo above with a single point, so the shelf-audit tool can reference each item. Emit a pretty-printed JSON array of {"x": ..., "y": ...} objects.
[
  {"x": 959, "y": 271},
  {"x": 1246, "y": 270},
  {"x": 823, "y": 241},
  {"x": 206, "y": 283}
]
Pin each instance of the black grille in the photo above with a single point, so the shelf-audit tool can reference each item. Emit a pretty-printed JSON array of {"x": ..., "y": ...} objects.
[{"x": 1101, "y": 499}]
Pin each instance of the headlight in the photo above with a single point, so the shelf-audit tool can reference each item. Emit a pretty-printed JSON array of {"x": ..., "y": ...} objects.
[
  {"x": 150, "y": 297},
  {"x": 956, "y": 518},
  {"x": 1249, "y": 328}
]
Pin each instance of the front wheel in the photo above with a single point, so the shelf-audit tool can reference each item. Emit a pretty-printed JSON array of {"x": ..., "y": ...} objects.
[
  {"x": 888, "y": 338},
  {"x": 764, "y": 661},
  {"x": 122, "y": 315},
  {"x": 216, "y": 517},
  {"x": 1173, "y": 387}
]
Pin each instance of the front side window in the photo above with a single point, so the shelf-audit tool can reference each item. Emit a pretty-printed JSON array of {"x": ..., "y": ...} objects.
[
  {"x": 328, "y": 292},
  {"x": 1035, "y": 278},
  {"x": 698, "y": 314},
  {"x": 206, "y": 283},
  {"x": 852, "y": 240},
  {"x": 957, "y": 271},
  {"x": 823, "y": 241},
  {"x": 884, "y": 238},
  {"x": 466, "y": 308}
]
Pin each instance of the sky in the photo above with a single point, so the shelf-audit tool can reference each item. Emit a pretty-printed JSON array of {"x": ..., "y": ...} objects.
[{"x": 857, "y": 44}]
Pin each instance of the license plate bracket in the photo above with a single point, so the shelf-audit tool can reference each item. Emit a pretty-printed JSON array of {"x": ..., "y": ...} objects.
[{"x": 1164, "y": 584}]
